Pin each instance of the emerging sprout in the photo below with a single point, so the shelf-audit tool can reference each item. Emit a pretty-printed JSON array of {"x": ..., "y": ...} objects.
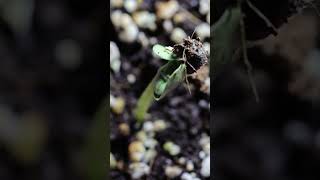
[{"x": 183, "y": 59}]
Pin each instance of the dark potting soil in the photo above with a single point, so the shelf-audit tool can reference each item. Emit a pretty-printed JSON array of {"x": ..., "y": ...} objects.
[{"x": 183, "y": 112}]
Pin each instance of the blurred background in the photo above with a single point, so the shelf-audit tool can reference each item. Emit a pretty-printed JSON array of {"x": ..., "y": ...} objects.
[
  {"x": 52, "y": 82},
  {"x": 279, "y": 137}
]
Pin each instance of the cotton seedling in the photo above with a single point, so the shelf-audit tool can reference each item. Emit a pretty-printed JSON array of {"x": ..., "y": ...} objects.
[{"x": 183, "y": 59}]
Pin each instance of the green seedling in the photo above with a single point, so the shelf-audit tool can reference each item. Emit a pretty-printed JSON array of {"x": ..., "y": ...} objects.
[
  {"x": 173, "y": 73},
  {"x": 167, "y": 78}
]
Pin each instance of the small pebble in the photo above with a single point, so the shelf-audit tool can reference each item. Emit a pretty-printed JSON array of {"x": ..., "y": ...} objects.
[
  {"x": 113, "y": 162},
  {"x": 186, "y": 176},
  {"x": 206, "y": 46},
  {"x": 207, "y": 84},
  {"x": 159, "y": 125},
  {"x": 167, "y": 25},
  {"x": 112, "y": 100},
  {"x": 203, "y": 103},
  {"x": 150, "y": 155},
  {"x": 153, "y": 40},
  {"x": 182, "y": 161},
  {"x": 125, "y": 20},
  {"x": 205, "y": 143},
  {"x": 180, "y": 18},
  {"x": 203, "y": 30},
  {"x": 202, "y": 154},
  {"x": 204, "y": 7},
  {"x": 124, "y": 129},
  {"x": 120, "y": 165},
  {"x": 177, "y": 35},
  {"x": 138, "y": 170},
  {"x": 144, "y": 19},
  {"x": 142, "y": 136},
  {"x": 129, "y": 34},
  {"x": 166, "y": 9},
  {"x": 116, "y": 3},
  {"x": 205, "y": 167},
  {"x": 131, "y": 78},
  {"x": 172, "y": 148},
  {"x": 128, "y": 30},
  {"x": 206, "y": 148},
  {"x": 205, "y": 139},
  {"x": 136, "y": 151},
  {"x": 116, "y": 18},
  {"x": 173, "y": 171},
  {"x": 190, "y": 166},
  {"x": 150, "y": 143},
  {"x": 131, "y": 5},
  {"x": 114, "y": 57},
  {"x": 118, "y": 105},
  {"x": 148, "y": 126}
]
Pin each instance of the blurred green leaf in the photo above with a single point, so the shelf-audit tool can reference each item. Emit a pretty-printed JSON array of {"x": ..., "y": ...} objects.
[
  {"x": 97, "y": 148},
  {"x": 225, "y": 39}
]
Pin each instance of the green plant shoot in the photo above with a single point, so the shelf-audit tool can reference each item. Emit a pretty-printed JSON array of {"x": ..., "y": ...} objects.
[
  {"x": 168, "y": 77},
  {"x": 163, "y": 52}
]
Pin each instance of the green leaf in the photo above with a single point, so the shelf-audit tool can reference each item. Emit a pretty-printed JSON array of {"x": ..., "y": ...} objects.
[
  {"x": 166, "y": 79},
  {"x": 225, "y": 39},
  {"x": 170, "y": 77},
  {"x": 163, "y": 52}
]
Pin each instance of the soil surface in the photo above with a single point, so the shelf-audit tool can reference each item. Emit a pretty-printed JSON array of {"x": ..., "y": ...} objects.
[{"x": 177, "y": 129}]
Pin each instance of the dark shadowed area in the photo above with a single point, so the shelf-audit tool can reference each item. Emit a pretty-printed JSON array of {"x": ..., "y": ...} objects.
[
  {"x": 52, "y": 82},
  {"x": 279, "y": 137}
]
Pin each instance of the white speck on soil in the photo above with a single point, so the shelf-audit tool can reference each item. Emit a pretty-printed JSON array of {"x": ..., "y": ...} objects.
[
  {"x": 138, "y": 170},
  {"x": 115, "y": 62},
  {"x": 166, "y": 9},
  {"x": 203, "y": 30},
  {"x": 189, "y": 176},
  {"x": 144, "y": 19},
  {"x": 173, "y": 171},
  {"x": 202, "y": 154},
  {"x": 190, "y": 166},
  {"x": 167, "y": 25},
  {"x": 148, "y": 126},
  {"x": 131, "y": 5},
  {"x": 131, "y": 78},
  {"x": 150, "y": 143},
  {"x": 204, "y": 7},
  {"x": 205, "y": 167},
  {"x": 159, "y": 125},
  {"x": 177, "y": 35},
  {"x": 116, "y": 3},
  {"x": 172, "y": 148},
  {"x": 136, "y": 151}
]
